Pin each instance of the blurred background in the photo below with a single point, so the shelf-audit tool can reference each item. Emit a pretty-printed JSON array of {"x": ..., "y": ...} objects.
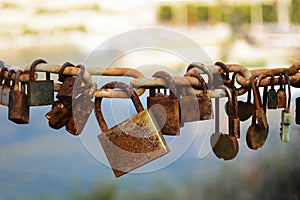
[{"x": 37, "y": 162}]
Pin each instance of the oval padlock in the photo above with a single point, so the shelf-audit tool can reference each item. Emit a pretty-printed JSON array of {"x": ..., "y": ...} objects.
[
  {"x": 225, "y": 146},
  {"x": 40, "y": 92},
  {"x": 7, "y": 88},
  {"x": 169, "y": 118},
  {"x": 134, "y": 142},
  {"x": 257, "y": 133},
  {"x": 18, "y": 108},
  {"x": 281, "y": 94}
]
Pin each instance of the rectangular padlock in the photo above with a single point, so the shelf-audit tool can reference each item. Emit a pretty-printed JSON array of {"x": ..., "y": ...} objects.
[{"x": 285, "y": 129}]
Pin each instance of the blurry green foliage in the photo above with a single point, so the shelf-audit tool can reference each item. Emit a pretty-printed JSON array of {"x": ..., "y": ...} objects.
[
  {"x": 202, "y": 13},
  {"x": 236, "y": 15},
  {"x": 165, "y": 13},
  {"x": 269, "y": 12},
  {"x": 295, "y": 11}
]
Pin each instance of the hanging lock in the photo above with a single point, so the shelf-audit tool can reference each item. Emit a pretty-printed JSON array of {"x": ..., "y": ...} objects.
[
  {"x": 3, "y": 70},
  {"x": 226, "y": 146},
  {"x": 281, "y": 94},
  {"x": 18, "y": 111},
  {"x": 257, "y": 132},
  {"x": 134, "y": 142},
  {"x": 272, "y": 96},
  {"x": 40, "y": 92},
  {"x": 7, "y": 88},
  {"x": 59, "y": 115},
  {"x": 168, "y": 118},
  {"x": 82, "y": 108},
  {"x": 285, "y": 124},
  {"x": 196, "y": 107}
]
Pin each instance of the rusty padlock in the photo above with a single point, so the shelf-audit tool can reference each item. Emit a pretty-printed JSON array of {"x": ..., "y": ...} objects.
[
  {"x": 40, "y": 92},
  {"x": 169, "y": 118},
  {"x": 223, "y": 145},
  {"x": 272, "y": 96},
  {"x": 59, "y": 115},
  {"x": 134, "y": 142},
  {"x": 257, "y": 133},
  {"x": 71, "y": 84},
  {"x": 18, "y": 108},
  {"x": 7, "y": 88},
  {"x": 3, "y": 70},
  {"x": 196, "y": 107},
  {"x": 82, "y": 108},
  {"x": 285, "y": 128},
  {"x": 281, "y": 94}
]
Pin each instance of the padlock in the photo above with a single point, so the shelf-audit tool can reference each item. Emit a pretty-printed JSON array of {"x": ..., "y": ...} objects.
[
  {"x": 281, "y": 94},
  {"x": 7, "y": 88},
  {"x": 18, "y": 108},
  {"x": 272, "y": 96},
  {"x": 225, "y": 146},
  {"x": 3, "y": 70},
  {"x": 134, "y": 142},
  {"x": 59, "y": 115},
  {"x": 257, "y": 133},
  {"x": 40, "y": 92},
  {"x": 83, "y": 106},
  {"x": 71, "y": 84},
  {"x": 196, "y": 107},
  {"x": 285, "y": 129},
  {"x": 169, "y": 118}
]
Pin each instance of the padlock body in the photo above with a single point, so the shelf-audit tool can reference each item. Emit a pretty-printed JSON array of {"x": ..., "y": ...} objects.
[
  {"x": 67, "y": 90},
  {"x": 18, "y": 111},
  {"x": 59, "y": 116},
  {"x": 190, "y": 109},
  {"x": 5, "y": 95},
  {"x": 285, "y": 125},
  {"x": 261, "y": 118},
  {"x": 81, "y": 112},
  {"x": 169, "y": 119},
  {"x": 205, "y": 105},
  {"x": 272, "y": 99},
  {"x": 40, "y": 93},
  {"x": 281, "y": 98},
  {"x": 133, "y": 143}
]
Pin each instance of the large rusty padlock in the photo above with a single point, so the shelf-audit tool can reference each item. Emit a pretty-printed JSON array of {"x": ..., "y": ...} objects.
[
  {"x": 40, "y": 92},
  {"x": 3, "y": 70},
  {"x": 82, "y": 108},
  {"x": 285, "y": 128},
  {"x": 281, "y": 94},
  {"x": 134, "y": 142},
  {"x": 272, "y": 96},
  {"x": 59, "y": 115},
  {"x": 169, "y": 118},
  {"x": 257, "y": 133},
  {"x": 196, "y": 107},
  {"x": 71, "y": 84},
  {"x": 18, "y": 108},
  {"x": 7, "y": 88},
  {"x": 223, "y": 145}
]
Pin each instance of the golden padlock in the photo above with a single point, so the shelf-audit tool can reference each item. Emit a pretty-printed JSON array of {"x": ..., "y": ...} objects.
[{"x": 134, "y": 142}]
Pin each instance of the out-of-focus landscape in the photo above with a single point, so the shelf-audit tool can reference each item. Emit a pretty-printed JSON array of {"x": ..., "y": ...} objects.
[{"x": 37, "y": 162}]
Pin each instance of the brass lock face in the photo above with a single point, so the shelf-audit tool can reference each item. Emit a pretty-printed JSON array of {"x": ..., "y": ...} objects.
[
  {"x": 134, "y": 142},
  {"x": 169, "y": 119},
  {"x": 281, "y": 94},
  {"x": 40, "y": 92},
  {"x": 18, "y": 109}
]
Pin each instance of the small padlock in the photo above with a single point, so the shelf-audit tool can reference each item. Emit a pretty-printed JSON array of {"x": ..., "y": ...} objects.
[
  {"x": 196, "y": 107},
  {"x": 18, "y": 111},
  {"x": 272, "y": 96},
  {"x": 3, "y": 70},
  {"x": 59, "y": 115},
  {"x": 226, "y": 146},
  {"x": 134, "y": 142},
  {"x": 257, "y": 133},
  {"x": 281, "y": 94},
  {"x": 40, "y": 92},
  {"x": 82, "y": 108},
  {"x": 7, "y": 88},
  {"x": 71, "y": 84},
  {"x": 285, "y": 129},
  {"x": 169, "y": 118}
]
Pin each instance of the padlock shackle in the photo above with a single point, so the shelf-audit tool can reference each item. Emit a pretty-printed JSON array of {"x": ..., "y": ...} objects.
[
  {"x": 33, "y": 66},
  {"x": 61, "y": 76},
  {"x": 272, "y": 81},
  {"x": 200, "y": 79},
  {"x": 226, "y": 70},
  {"x": 17, "y": 80},
  {"x": 3, "y": 70},
  {"x": 256, "y": 94},
  {"x": 205, "y": 70},
  {"x": 9, "y": 77},
  {"x": 127, "y": 89},
  {"x": 289, "y": 89},
  {"x": 170, "y": 83}
]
